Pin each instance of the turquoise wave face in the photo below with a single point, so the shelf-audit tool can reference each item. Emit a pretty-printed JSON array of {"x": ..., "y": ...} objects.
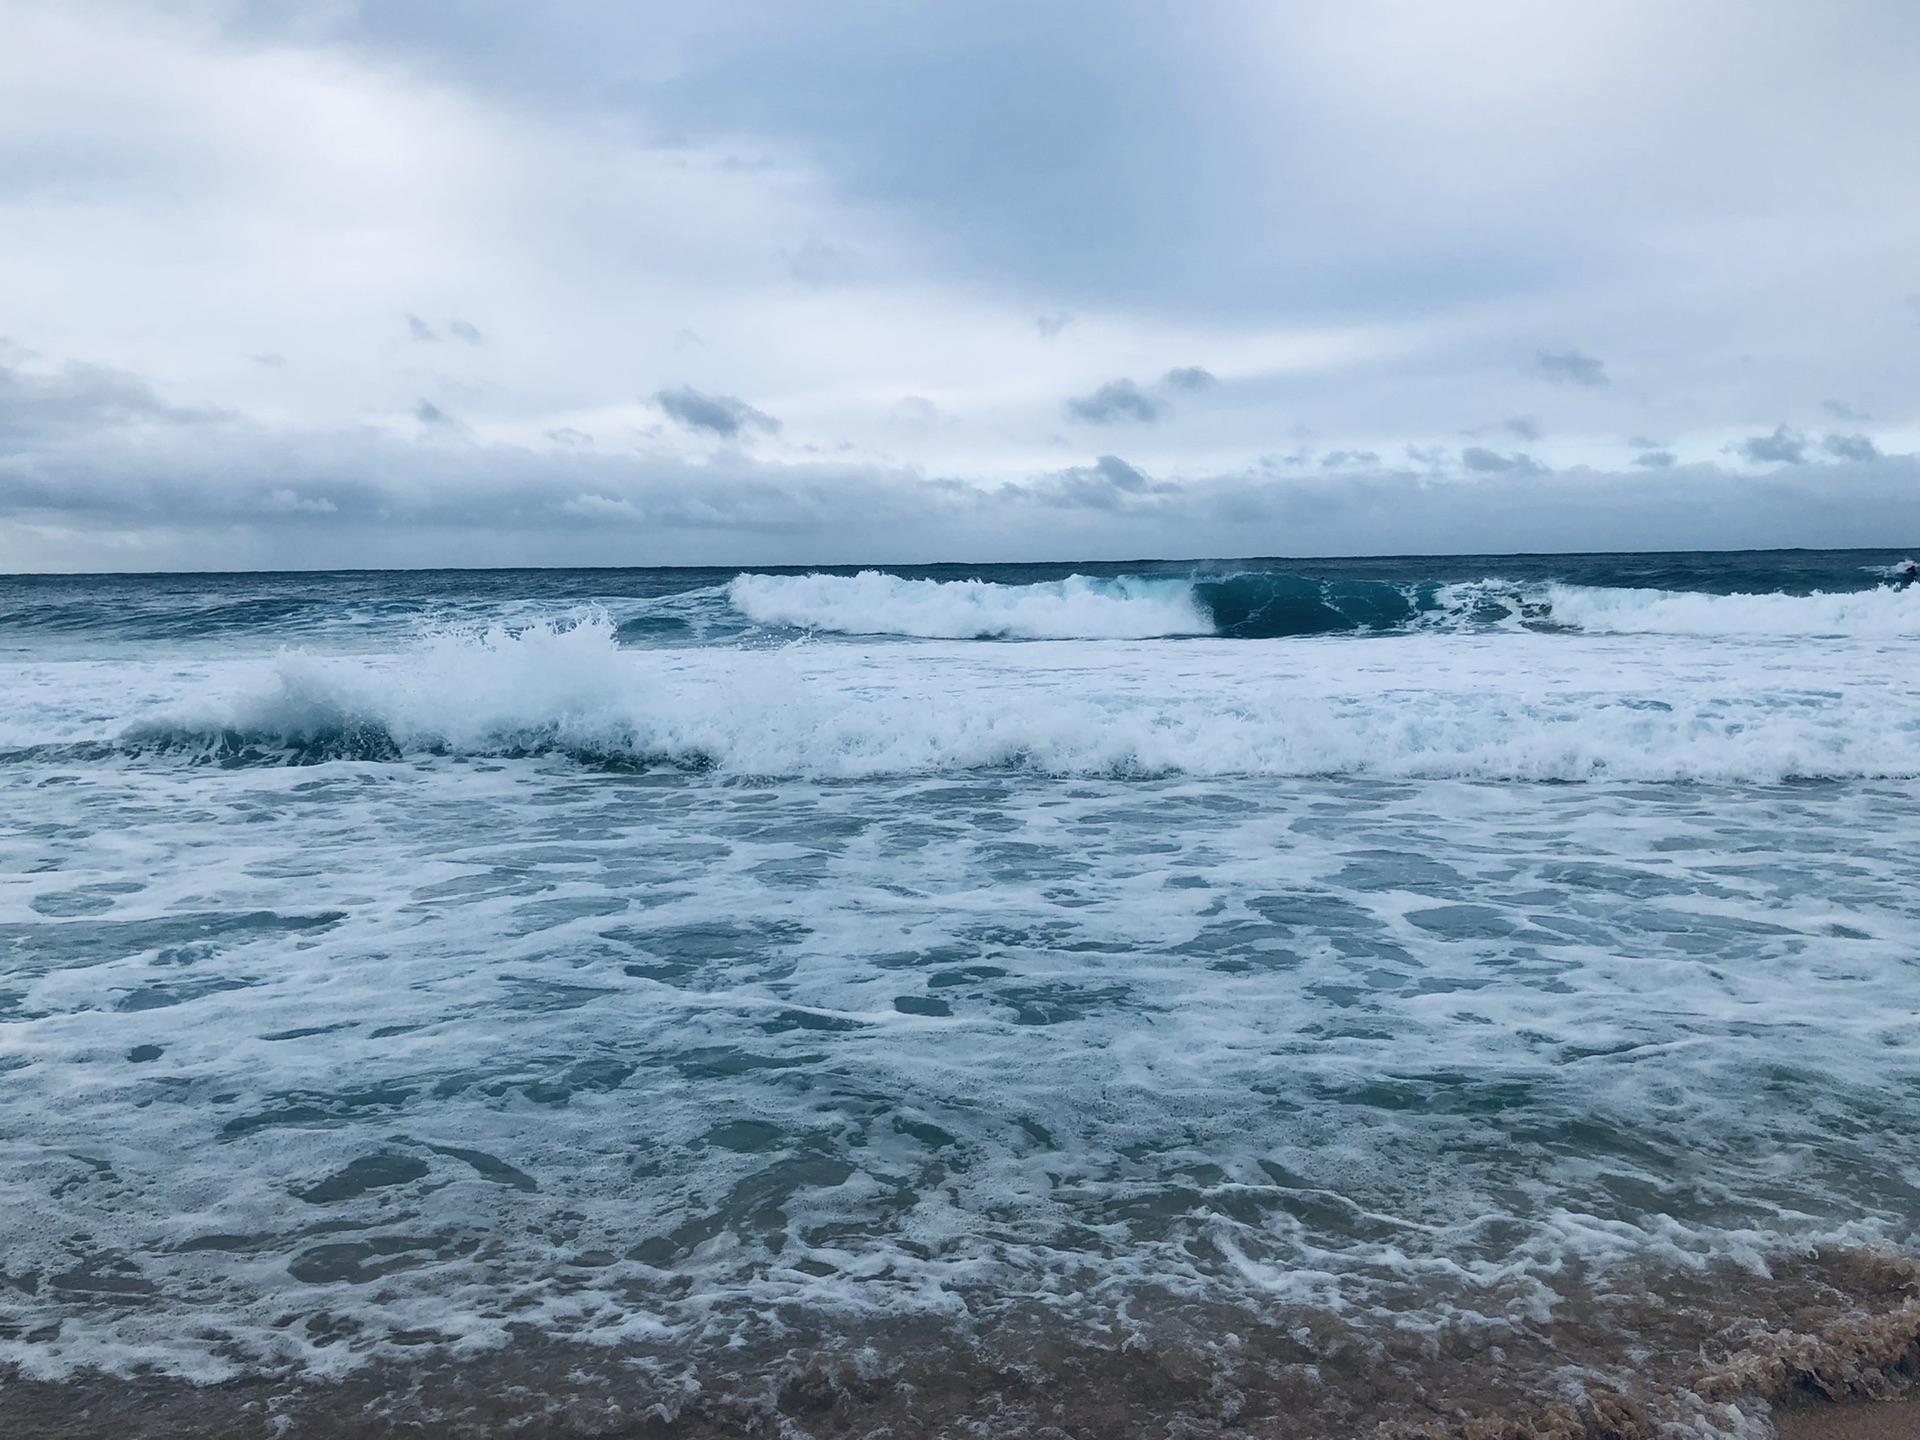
[{"x": 1263, "y": 606}]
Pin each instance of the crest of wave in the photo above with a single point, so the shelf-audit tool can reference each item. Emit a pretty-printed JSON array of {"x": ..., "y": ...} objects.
[
  {"x": 552, "y": 685},
  {"x": 1882, "y": 613},
  {"x": 872, "y": 603},
  {"x": 843, "y": 711}
]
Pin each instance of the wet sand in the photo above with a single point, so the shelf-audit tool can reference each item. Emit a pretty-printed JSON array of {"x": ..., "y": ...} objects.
[
  {"x": 811, "y": 1406},
  {"x": 594, "y": 1406},
  {"x": 1828, "y": 1346},
  {"x": 1889, "y": 1420}
]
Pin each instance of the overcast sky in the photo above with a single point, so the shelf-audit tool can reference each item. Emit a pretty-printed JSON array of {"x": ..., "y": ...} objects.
[{"x": 484, "y": 281}]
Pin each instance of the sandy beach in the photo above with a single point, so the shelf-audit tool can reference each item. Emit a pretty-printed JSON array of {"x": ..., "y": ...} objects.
[
  {"x": 1887, "y": 1420},
  {"x": 447, "y": 1407}
]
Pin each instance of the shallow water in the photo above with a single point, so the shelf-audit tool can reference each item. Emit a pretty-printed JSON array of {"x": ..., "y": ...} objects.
[{"x": 672, "y": 998}]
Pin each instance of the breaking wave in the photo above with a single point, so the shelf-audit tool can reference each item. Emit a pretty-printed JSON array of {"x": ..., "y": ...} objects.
[
  {"x": 1273, "y": 605},
  {"x": 873, "y": 603},
  {"x": 1879, "y": 614},
  {"x": 1503, "y": 707}
]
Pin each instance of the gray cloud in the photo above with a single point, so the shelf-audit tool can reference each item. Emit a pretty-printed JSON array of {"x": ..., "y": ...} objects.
[
  {"x": 720, "y": 414},
  {"x": 428, "y": 413},
  {"x": 1486, "y": 462},
  {"x": 1121, "y": 475},
  {"x": 1782, "y": 447},
  {"x": 1570, "y": 367},
  {"x": 1654, "y": 459},
  {"x": 1123, "y": 400},
  {"x": 1068, "y": 183},
  {"x": 1115, "y": 400},
  {"x": 1840, "y": 410},
  {"x": 1850, "y": 447},
  {"x": 1525, "y": 426},
  {"x": 821, "y": 262},
  {"x": 424, "y": 333},
  {"x": 91, "y": 455},
  {"x": 237, "y": 493},
  {"x": 76, "y": 401},
  {"x": 1188, "y": 377},
  {"x": 1051, "y": 325},
  {"x": 1110, "y": 483}
]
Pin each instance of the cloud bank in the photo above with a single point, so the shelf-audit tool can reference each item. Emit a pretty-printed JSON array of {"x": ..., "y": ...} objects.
[{"x": 97, "y": 473}]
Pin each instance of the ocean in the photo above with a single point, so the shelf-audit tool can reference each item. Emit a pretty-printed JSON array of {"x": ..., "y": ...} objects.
[{"x": 1266, "y": 997}]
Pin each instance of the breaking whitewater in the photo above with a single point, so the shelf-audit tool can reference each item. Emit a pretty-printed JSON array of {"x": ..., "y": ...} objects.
[{"x": 1273, "y": 998}]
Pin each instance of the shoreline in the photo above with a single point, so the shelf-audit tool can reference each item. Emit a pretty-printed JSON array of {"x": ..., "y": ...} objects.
[
  {"x": 814, "y": 1403},
  {"x": 1825, "y": 1350}
]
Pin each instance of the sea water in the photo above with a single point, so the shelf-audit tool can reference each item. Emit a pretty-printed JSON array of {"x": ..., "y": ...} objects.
[{"x": 673, "y": 961}]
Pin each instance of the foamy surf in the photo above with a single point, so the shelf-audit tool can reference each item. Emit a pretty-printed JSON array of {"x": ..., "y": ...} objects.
[
  {"x": 872, "y": 603},
  {"x": 1501, "y": 706},
  {"x": 1257, "y": 604},
  {"x": 1879, "y": 614}
]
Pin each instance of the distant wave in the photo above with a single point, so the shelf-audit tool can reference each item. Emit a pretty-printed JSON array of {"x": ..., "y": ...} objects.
[
  {"x": 1276, "y": 605},
  {"x": 1884, "y": 613},
  {"x": 1456, "y": 709},
  {"x": 874, "y": 603},
  {"x": 1787, "y": 595}
]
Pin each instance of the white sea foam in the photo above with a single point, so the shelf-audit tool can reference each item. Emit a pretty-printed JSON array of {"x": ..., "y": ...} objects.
[
  {"x": 1883, "y": 613},
  {"x": 1391, "y": 1051},
  {"x": 872, "y": 603}
]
